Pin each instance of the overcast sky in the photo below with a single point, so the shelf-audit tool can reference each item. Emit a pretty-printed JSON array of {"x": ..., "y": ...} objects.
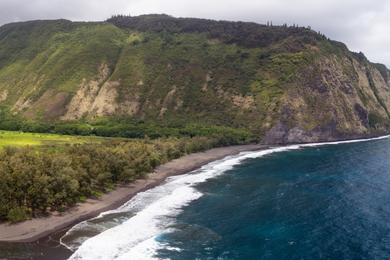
[{"x": 362, "y": 24}]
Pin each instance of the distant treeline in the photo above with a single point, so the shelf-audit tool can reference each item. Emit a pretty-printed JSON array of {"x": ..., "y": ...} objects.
[
  {"x": 126, "y": 128},
  {"x": 242, "y": 33},
  {"x": 36, "y": 181}
]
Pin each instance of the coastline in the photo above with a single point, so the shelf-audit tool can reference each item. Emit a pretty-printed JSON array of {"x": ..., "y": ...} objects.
[{"x": 35, "y": 229}]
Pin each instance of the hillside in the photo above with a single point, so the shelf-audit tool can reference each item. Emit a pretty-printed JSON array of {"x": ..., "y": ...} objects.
[{"x": 282, "y": 84}]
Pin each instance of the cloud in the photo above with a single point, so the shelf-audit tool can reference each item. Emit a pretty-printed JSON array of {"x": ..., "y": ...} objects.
[
  {"x": 20, "y": 10},
  {"x": 361, "y": 24}
]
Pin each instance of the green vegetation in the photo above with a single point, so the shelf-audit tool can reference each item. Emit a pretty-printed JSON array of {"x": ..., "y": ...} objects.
[
  {"x": 173, "y": 85},
  {"x": 170, "y": 71},
  {"x": 377, "y": 121},
  {"x": 99, "y": 104},
  {"x": 8, "y": 138},
  {"x": 65, "y": 132},
  {"x": 244, "y": 34},
  {"x": 93, "y": 105},
  {"x": 36, "y": 181},
  {"x": 57, "y": 57},
  {"x": 55, "y": 171},
  {"x": 383, "y": 70},
  {"x": 119, "y": 127},
  {"x": 160, "y": 76}
]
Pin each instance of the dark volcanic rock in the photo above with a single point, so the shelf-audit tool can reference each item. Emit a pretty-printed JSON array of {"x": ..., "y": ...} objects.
[
  {"x": 362, "y": 114},
  {"x": 276, "y": 135}
]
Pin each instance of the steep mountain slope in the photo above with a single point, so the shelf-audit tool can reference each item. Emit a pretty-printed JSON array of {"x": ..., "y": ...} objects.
[{"x": 284, "y": 84}]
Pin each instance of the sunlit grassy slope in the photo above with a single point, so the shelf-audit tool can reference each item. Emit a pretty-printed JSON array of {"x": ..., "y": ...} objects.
[{"x": 9, "y": 138}]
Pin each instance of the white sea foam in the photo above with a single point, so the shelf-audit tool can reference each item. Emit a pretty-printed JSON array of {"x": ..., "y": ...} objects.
[{"x": 155, "y": 210}]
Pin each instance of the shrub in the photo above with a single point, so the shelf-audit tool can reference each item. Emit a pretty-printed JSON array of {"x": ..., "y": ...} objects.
[
  {"x": 18, "y": 214},
  {"x": 35, "y": 181}
]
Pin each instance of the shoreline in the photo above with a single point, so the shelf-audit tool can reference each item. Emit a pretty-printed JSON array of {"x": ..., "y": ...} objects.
[{"x": 35, "y": 229}]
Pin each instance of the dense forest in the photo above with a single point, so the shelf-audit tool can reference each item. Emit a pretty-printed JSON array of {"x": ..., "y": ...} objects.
[
  {"x": 37, "y": 181},
  {"x": 250, "y": 35},
  {"x": 127, "y": 128}
]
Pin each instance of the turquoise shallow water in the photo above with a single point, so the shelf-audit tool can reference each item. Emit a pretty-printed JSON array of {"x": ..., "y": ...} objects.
[{"x": 328, "y": 202}]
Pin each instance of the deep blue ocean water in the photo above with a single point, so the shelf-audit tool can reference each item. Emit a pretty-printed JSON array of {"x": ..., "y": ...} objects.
[
  {"x": 320, "y": 202},
  {"x": 329, "y": 202}
]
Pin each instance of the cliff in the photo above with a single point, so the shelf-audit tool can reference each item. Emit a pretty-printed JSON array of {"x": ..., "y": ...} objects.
[{"x": 283, "y": 84}]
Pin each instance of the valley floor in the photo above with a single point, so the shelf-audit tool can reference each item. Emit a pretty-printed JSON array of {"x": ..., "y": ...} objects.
[
  {"x": 35, "y": 229},
  {"x": 20, "y": 139}
]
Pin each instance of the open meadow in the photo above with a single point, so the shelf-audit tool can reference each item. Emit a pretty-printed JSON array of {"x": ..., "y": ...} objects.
[{"x": 12, "y": 138}]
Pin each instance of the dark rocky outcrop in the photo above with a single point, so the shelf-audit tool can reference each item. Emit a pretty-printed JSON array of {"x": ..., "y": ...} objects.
[{"x": 284, "y": 84}]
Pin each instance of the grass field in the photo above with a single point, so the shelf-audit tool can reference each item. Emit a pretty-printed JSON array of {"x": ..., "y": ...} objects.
[{"x": 8, "y": 138}]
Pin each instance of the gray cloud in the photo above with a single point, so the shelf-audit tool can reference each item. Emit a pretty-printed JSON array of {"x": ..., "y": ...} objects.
[
  {"x": 361, "y": 24},
  {"x": 21, "y": 10}
]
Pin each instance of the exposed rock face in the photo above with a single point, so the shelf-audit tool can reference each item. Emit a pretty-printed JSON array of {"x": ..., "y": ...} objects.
[
  {"x": 362, "y": 114},
  {"x": 82, "y": 102},
  {"x": 333, "y": 105},
  {"x": 281, "y": 134},
  {"x": 246, "y": 102},
  {"x": 168, "y": 99},
  {"x": 99, "y": 97},
  {"x": 286, "y": 85},
  {"x": 277, "y": 134},
  {"x": 3, "y": 95},
  {"x": 207, "y": 81},
  {"x": 51, "y": 104},
  {"x": 105, "y": 102},
  {"x": 22, "y": 104}
]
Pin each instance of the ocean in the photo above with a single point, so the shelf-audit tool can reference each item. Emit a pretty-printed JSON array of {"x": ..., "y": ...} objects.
[{"x": 315, "y": 201}]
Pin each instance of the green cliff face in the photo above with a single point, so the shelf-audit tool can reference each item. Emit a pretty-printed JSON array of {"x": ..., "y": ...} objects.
[{"x": 284, "y": 84}]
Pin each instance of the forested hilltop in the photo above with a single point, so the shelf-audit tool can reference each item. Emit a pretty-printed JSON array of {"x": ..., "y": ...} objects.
[{"x": 160, "y": 76}]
